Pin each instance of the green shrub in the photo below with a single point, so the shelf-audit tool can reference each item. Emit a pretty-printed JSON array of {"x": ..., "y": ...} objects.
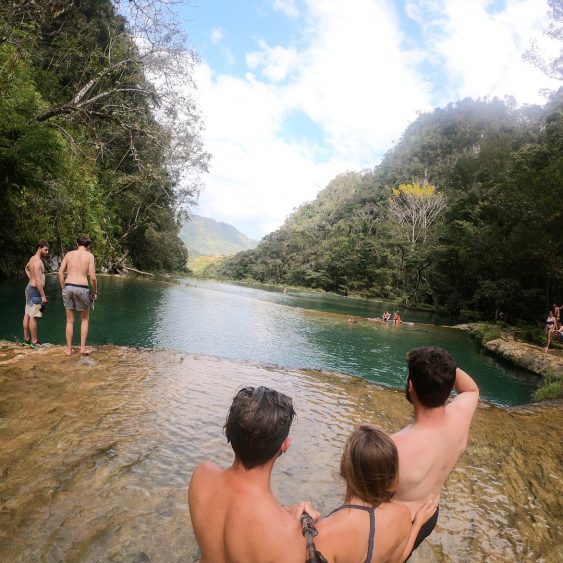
[
  {"x": 530, "y": 333},
  {"x": 550, "y": 388},
  {"x": 486, "y": 332}
]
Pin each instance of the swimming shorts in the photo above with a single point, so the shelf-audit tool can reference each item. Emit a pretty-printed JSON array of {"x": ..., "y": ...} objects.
[
  {"x": 425, "y": 531},
  {"x": 33, "y": 302},
  {"x": 76, "y": 297}
]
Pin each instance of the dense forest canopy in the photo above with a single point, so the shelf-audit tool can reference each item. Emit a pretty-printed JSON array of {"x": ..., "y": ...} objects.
[
  {"x": 88, "y": 144},
  {"x": 465, "y": 212}
]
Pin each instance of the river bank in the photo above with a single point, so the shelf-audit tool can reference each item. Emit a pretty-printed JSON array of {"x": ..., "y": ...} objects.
[
  {"x": 503, "y": 342},
  {"x": 96, "y": 454}
]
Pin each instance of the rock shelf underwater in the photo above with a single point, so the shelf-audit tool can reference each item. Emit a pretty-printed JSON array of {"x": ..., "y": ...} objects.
[{"x": 96, "y": 454}]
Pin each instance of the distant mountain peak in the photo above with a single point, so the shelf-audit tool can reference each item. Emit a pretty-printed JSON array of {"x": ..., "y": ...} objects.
[{"x": 205, "y": 236}]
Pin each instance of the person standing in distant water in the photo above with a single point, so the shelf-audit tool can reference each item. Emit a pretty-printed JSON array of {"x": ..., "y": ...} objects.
[
  {"x": 35, "y": 297},
  {"x": 550, "y": 326},
  {"x": 79, "y": 265}
]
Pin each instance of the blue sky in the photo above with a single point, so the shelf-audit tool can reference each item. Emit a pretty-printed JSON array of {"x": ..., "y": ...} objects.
[{"x": 294, "y": 92}]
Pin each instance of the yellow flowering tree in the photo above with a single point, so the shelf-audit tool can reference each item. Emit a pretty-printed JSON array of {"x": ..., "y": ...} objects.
[{"x": 415, "y": 208}]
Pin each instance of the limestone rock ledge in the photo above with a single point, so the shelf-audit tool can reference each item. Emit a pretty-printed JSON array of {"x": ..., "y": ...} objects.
[{"x": 527, "y": 356}]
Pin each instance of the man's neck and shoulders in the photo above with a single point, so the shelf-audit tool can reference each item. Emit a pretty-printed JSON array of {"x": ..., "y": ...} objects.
[
  {"x": 431, "y": 445},
  {"x": 235, "y": 512}
]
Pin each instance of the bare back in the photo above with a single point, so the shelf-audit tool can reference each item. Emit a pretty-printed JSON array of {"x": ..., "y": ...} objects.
[
  {"x": 36, "y": 271},
  {"x": 236, "y": 522},
  {"x": 79, "y": 264},
  {"x": 430, "y": 448},
  {"x": 343, "y": 536}
]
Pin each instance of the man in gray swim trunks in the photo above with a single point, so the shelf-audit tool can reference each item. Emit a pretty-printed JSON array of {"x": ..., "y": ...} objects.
[
  {"x": 77, "y": 296},
  {"x": 35, "y": 297}
]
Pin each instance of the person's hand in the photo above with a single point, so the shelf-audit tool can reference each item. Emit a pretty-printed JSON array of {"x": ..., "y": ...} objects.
[
  {"x": 296, "y": 510},
  {"x": 94, "y": 296},
  {"x": 314, "y": 514},
  {"x": 44, "y": 299},
  {"x": 425, "y": 512}
]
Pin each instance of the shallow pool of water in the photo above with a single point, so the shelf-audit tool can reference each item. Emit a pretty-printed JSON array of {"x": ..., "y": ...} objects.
[{"x": 96, "y": 455}]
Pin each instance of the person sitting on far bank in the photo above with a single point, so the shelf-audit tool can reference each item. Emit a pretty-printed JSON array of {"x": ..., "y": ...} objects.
[
  {"x": 386, "y": 316},
  {"x": 397, "y": 318},
  {"x": 430, "y": 447},
  {"x": 235, "y": 515},
  {"x": 79, "y": 265},
  {"x": 35, "y": 297},
  {"x": 550, "y": 326},
  {"x": 370, "y": 526}
]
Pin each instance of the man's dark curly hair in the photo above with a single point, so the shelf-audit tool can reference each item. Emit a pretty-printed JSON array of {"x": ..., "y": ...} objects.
[{"x": 257, "y": 424}]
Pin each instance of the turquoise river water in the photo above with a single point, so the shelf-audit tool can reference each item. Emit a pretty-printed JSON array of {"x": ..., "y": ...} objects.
[{"x": 267, "y": 326}]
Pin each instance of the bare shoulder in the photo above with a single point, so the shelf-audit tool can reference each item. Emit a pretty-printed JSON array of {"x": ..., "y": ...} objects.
[
  {"x": 202, "y": 479},
  {"x": 464, "y": 405},
  {"x": 205, "y": 470}
]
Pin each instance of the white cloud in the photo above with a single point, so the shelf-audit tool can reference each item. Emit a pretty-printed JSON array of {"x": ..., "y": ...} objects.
[
  {"x": 277, "y": 62},
  {"x": 216, "y": 35},
  {"x": 353, "y": 76},
  {"x": 482, "y": 50},
  {"x": 286, "y": 7}
]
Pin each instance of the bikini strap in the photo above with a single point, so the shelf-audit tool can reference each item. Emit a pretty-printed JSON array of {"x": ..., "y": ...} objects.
[{"x": 371, "y": 525}]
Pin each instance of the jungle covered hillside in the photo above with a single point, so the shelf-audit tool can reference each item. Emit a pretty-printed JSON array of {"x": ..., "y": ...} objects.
[
  {"x": 465, "y": 212},
  {"x": 88, "y": 144}
]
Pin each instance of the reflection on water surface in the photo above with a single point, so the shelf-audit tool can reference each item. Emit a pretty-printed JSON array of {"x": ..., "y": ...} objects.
[{"x": 96, "y": 454}]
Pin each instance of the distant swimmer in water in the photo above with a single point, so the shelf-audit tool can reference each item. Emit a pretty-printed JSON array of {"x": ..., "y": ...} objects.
[
  {"x": 351, "y": 319},
  {"x": 397, "y": 318},
  {"x": 386, "y": 316}
]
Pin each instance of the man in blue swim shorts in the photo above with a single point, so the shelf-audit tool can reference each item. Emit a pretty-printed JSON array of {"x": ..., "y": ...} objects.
[{"x": 35, "y": 297}]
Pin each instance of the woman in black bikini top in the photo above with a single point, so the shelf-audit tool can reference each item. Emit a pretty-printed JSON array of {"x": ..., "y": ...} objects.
[
  {"x": 550, "y": 326},
  {"x": 370, "y": 526}
]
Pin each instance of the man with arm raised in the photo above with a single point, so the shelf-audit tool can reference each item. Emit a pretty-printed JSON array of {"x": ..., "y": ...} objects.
[{"x": 430, "y": 447}]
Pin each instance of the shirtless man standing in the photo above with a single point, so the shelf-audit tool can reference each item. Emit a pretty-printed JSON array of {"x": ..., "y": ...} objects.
[
  {"x": 430, "y": 447},
  {"x": 35, "y": 297},
  {"x": 235, "y": 516},
  {"x": 78, "y": 265}
]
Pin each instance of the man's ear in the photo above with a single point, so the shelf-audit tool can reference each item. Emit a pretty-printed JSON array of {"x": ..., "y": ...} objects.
[
  {"x": 285, "y": 445},
  {"x": 410, "y": 385}
]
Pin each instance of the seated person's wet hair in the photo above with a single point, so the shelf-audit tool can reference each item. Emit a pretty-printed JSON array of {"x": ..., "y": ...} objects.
[
  {"x": 432, "y": 372},
  {"x": 370, "y": 465},
  {"x": 83, "y": 240},
  {"x": 257, "y": 424}
]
